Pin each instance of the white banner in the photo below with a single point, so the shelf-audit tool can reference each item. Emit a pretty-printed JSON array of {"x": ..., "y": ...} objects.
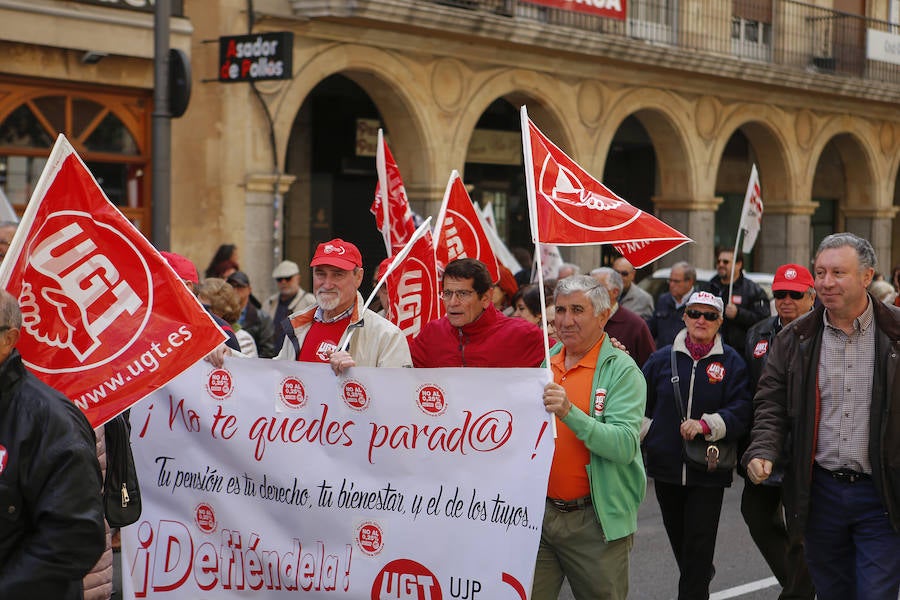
[{"x": 281, "y": 478}]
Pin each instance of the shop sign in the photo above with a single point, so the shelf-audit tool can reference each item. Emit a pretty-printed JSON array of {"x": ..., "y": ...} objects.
[
  {"x": 883, "y": 46},
  {"x": 612, "y": 9},
  {"x": 139, "y": 5},
  {"x": 256, "y": 57}
]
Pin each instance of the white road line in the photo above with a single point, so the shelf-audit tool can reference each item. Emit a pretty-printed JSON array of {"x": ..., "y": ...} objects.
[{"x": 744, "y": 589}]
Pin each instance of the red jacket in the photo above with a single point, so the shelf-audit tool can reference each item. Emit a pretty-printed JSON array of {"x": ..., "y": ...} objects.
[{"x": 492, "y": 340}]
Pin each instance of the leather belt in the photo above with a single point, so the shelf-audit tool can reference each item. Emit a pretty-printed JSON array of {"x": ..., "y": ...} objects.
[
  {"x": 845, "y": 475},
  {"x": 570, "y": 505}
]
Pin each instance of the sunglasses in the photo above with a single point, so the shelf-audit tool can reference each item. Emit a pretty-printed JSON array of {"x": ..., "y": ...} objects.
[
  {"x": 782, "y": 294},
  {"x": 281, "y": 279},
  {"x": 696, "y": 314}
]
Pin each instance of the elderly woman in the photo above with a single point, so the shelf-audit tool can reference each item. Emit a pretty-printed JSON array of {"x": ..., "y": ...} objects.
[{"x": 715, "y": 400}]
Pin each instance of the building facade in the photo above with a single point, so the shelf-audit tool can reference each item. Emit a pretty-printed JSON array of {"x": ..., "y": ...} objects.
[{"x": 669, "y": 102}]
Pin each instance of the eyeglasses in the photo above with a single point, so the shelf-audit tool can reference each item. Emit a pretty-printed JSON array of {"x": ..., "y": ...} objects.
[
  {"x": 782, "y": 294},
  {"x": 722, "y": 261},
  {"x": 283, "y": 279},
  {"x": 624, "y": 273},
  {"x": 461, "y": 295},
  {"x": 696, "y": 314}
]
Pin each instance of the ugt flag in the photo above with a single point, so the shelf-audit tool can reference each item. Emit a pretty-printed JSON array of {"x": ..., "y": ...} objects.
[
  {"x": 569, "y": 207},
  {"x": 751, "y": 213},
  {"x": 393, "y": 215},
  {"x": 105, "y": 320},
  {"x": 459, "y": 232},
  {"x": 413, "y": 288}
]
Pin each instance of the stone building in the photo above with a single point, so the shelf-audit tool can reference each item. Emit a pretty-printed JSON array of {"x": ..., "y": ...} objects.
[{"x": 669, "y": 102}]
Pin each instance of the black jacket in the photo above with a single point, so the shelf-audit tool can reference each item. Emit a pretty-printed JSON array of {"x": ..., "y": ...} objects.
[
  {"x": 259, "y": 325},
  {"x": 752, "y": 307},
  {"x": 785, "y": 404},
  {"x": 51, "y": 514}
]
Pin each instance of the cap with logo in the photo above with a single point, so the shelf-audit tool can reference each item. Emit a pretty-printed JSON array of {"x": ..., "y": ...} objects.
[
  {"x": 707, "y": 299},
  {"x": 182, "y": 266},
  {"x": 238, "y": 279},
  {"x": 793, "y": 278},
  {"x": 337, "y": 253},
  {"x": 286, "y": 268}
]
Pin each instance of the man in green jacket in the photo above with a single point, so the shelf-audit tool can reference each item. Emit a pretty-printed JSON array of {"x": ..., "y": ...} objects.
[{"x": 597, "y": 479}]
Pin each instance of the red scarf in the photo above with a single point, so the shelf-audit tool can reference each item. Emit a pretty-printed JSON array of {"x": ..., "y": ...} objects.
[{"x": 698, "y": 351}]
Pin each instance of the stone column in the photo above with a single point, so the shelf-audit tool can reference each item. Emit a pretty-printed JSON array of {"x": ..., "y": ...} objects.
[
  {"x": 785, "y": 236},
  {"x": 875, "y": 225},
  {"x": 697, "y": 220},
  {"x": 264, "y": 216}
]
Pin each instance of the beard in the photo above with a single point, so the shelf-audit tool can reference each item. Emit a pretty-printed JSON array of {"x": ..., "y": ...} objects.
[{"x": 328, "y": 300}]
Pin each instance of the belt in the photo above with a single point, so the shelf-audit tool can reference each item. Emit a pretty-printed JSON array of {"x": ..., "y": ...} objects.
[
  {"x": 845, "y": 475},
  {"x": 570, "y": 505}
]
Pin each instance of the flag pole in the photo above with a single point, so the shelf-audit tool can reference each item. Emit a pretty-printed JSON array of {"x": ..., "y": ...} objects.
[
  {"x": 737, "y": 245},
  {"x": 395, "y": 262},
  {"x": 381, "y": 171},
  {"x": 532, "y": 219}
]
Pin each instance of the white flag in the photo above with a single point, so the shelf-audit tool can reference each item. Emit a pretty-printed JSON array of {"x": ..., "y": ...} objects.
[{"x": 751, "y": 214}]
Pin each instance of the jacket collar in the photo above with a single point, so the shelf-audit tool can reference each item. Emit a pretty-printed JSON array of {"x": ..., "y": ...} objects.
[
  {"x": 485, "y": 321},
  {"x": 887, "y": 319},
  {"x": 308, "y": 314}
]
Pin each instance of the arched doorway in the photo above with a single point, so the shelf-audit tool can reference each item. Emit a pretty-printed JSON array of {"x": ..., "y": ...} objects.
[
  {"x": 110, "y": 131},
  {"x": 738, "y": 158},
  {"x": 332, "y": 154}
]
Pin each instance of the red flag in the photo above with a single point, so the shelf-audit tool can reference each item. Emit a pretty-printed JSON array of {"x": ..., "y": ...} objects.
[
  {"x": 571, "y": 208},
  {"x": 394, "y": 217},
  {"x": 105, "y": 320},
  {"x": 459, "y": 232},
  {"x": 413, "y": 289}
]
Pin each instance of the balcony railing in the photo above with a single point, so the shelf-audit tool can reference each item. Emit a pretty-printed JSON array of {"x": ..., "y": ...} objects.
[{"x": 785, "y": 33}]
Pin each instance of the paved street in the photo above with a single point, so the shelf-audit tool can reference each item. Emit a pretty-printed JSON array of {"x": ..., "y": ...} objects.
[{"x": 654, "y": 575}]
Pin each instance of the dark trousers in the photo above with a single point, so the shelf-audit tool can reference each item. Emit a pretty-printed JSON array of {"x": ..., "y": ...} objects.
[
  {"x": 761, "y": 507},
  {"x": 851, "y": 549},
  {"x": 691, "y": 518}
]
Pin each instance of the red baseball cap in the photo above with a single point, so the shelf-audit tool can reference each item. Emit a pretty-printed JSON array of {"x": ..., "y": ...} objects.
[
  {"x": 337, "y": 253},
  {"x": 383, "y": 267},
  {"x": 182, "y": 266},
  {"x": 793, "y": 278}
]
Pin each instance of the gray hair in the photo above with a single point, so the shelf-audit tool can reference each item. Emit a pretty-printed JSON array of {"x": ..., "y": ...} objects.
[
  {"x": 864, "y": 251},
  {"x": 576, "y": 270},
  {"x": 597, "y": 293},
  {"x": 690, "y": 273},
  {"x": 613, "y": 278},
  {"x": 10, "y": 315}
]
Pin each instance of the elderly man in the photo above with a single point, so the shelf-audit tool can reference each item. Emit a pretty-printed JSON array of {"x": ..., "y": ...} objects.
[
  {"x": 832, "y": 382},
  {"x": 474, "y": 333},
  {"x": 624, "y": 325},
  {"x": 668, "y": 317},
  {"x": 597, "y": 476},
  {"x": 52, "y": 531},
  {"x": 290, "y": 298},
  {"x": 252, "y": 319},
  {"x": 632, "y": 296},
  {"x": 317, "y": 333},
  {"x": 747, "y": 305}
]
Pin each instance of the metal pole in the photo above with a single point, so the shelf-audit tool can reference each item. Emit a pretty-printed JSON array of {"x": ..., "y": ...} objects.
[{"x": 162, "y": 127}]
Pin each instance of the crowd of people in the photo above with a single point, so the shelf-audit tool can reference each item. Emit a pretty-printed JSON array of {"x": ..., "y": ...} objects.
[{"x": 804, "y": 391}]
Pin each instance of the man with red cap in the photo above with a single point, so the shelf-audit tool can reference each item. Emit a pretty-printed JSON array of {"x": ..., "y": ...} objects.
[
  {"x": 317, "y": 333},
  {"x": 795, "y": 295}
]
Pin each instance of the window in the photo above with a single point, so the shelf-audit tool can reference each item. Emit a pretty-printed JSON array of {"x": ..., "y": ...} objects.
[
  {"x": 108, "y": 130},
  {"x": 652, "y": 20}
]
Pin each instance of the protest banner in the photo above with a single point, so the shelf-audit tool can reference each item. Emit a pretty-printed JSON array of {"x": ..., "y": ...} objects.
[
  {"x": 282, "y": 478},
  {"x": 105, "y": 320}
]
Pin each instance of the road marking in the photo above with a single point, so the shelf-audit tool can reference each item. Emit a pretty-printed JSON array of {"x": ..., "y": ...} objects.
[{"x": 740, "y": 590}]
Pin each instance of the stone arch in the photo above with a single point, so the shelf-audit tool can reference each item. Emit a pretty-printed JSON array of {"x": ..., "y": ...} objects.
[
  {"x": 656, "y": 110},
  {"x": 518, "y": 87},
  {"x": 774, "y": 161},
  {"x": 375, "y": 71},
  {"x": 860, "y": 166}
]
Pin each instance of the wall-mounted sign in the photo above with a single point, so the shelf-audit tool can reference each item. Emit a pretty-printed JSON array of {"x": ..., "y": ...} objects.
[
  {"x": 141, "y": 5},
  {"x": 883, "y": 46},
  {"x": 256, "y": 57},
  {"x": 612, "y": 9}
]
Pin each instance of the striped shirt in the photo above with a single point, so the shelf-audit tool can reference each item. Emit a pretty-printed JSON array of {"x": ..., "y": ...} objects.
[{"x": 846, "y": 370}]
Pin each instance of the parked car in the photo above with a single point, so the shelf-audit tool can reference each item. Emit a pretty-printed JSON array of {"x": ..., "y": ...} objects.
[{"x": 658, "y": 282}]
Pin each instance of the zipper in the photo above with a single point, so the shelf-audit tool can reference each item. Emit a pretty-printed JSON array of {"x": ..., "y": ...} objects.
[{"x": 125, "y": 498}]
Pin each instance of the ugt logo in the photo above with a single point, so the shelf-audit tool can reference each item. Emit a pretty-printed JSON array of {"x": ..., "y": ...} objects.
[{"x": 74, "y": 299}]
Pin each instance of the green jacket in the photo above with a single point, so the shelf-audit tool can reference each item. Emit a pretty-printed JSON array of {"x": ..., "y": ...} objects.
[{"x": 616, "y": 470}]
